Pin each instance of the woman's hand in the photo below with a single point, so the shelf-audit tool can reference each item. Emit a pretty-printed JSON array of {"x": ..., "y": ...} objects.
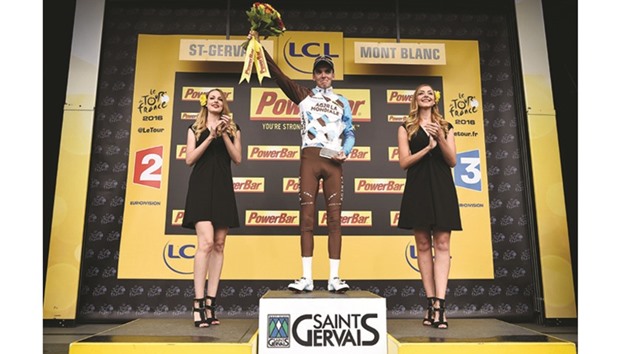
[
  {"x": 225, "y": 120},
  {"x": 432, "y": 142},
  {"x": 433, "y": 129}
]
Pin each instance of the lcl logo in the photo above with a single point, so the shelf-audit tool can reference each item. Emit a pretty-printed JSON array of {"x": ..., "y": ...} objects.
[
  {"x": 177, "y": 257},
  {"x": 294, "y": 50}
]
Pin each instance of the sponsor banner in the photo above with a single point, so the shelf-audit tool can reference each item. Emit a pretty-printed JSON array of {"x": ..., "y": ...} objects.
[
  {"x": 177, "y": 217},
  {"x": 226, "y": 50},
  {"x": 379, "y": 185},
  {"x": 181, "y": 151},
  {"x": 299, "y": 49},
  {"x": 193, "y": 93},
  {"x": 189, "y": 115},
  {"x": 275, "y": 153},
  {"x": 360, "y": 153},
  {"x": 349, "y": 218},
  {"x": 249, "y": 184},
  {"x": 291, "y": 185},
  {"x": 165, "y": 103},
  {"x": 354, "y": 323},
  {"x": 394, "y": 215},
  {"x": 399, "y": 96},
  {"x": 393, "y": 153},
  {"x": 271, "y": 104},
  {"x": 400, "y": 53},
  {"x": 396, "y": 118},
  {"x": 272, "y": 217}
]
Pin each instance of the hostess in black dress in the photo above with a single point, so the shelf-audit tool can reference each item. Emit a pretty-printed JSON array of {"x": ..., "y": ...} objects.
[
  {"x": 210, "y": 195},
  {"x": 429, "y": 200}
]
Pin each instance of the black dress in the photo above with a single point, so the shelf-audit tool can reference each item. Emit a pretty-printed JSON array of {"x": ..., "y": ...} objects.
[
  {"x": 210, "y": 195},
  {"x": 429, "y": 199}
]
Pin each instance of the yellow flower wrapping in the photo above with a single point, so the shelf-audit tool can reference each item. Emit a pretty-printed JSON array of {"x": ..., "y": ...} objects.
[
  {"x": 265, "y": 21},
  {"x": 254, "y": 57}
]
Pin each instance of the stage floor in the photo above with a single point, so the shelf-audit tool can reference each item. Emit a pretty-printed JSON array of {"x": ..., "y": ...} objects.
[{"x": 240, "y": 336}]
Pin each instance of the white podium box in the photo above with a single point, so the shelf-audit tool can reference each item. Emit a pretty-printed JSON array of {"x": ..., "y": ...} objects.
[{"x": 322, "y": 322}]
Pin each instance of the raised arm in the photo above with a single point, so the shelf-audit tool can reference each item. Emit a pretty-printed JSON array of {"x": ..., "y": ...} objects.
[{"x": 291, "y": 89}]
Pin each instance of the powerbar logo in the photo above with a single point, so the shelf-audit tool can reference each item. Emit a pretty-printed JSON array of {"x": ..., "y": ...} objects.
[
  {"x": 272, "y": 218},
  {"x": 181, "y": 152},
  {"x": 265, "y": 152},
  {"x": 278, "y": 335},
  {"x": 396, "y": 118},
  {"x": 272, "y": 104},
  {"x": 189, "y": 115},
  {"x": 394, "y": 215},
  {"x": 249, "y": 184},
  {"x": 360, "y": 153},
  {"x": 349, "y": 218},
  {"x": 393, "y": 154},
  {"x": 177, "y": 217},
  {"x": 399, "y": 96},
  {"x": 379, "y": 185},
  {"x": 291, "y": 185},
  {"x": 193, "y": 93},
  {"x": 336, "y": 330}
]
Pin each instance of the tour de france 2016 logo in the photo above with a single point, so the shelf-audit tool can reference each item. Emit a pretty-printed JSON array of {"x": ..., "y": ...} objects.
[
  {"x": 462, "y": 106},
  {"x": 278, "y": 335},
  {"x": 153, "y": 101}
]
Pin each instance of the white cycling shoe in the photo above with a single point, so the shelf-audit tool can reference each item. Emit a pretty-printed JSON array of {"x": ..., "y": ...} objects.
[
  {"x": 302, "y": 284},
  {"x": 337, "y": 285}
]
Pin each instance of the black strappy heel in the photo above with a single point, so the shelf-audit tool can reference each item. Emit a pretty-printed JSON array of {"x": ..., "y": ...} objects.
[
  {"x": 441, "y": 323},
  {"x": 212, "y": 320},
  {"x": 201, "y": 309},
  {"x": 430, "y": 311}
]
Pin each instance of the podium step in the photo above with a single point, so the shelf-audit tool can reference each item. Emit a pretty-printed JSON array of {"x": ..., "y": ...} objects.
[
  {"x": 471, "y": 336},
  {"x": 172, "y": 336}
]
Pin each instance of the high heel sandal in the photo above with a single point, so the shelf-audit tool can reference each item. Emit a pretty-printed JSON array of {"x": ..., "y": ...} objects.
[
  {"x": 212, "y": 320},
  {"x": 430, "y": 311},
  {"x": 441, "y": 323},
  {"x": 201, "y": 309}
]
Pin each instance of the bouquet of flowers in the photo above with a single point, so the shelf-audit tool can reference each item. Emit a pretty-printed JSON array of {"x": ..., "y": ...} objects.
[{"x": 265, "y": 20}]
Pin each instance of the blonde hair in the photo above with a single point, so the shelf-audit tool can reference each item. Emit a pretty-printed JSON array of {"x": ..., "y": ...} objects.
[
  {"x": 412, "y": 122},
  {"x": 200, "y": 125}
]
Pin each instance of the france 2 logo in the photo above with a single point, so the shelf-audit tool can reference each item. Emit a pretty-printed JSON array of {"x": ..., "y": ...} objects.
[
  {"x": 467, "y": 170},
  {"x": 148, "y": 167}
]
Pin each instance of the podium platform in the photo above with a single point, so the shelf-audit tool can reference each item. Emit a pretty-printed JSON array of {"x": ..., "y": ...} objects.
[
  {"x": 242, "y": 336},
  {"x": 322, "y": 322}
]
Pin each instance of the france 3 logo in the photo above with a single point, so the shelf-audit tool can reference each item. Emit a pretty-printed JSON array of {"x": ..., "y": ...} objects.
[
  {"x": 467, "y": 172},
  {"x": 279, "y": 331}
]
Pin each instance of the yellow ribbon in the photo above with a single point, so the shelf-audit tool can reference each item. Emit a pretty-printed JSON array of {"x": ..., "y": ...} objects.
[{"x": 254, "y": 57}]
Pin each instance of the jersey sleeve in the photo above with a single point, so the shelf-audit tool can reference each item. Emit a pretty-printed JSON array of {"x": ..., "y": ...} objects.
[{"x": 349, "y": 130}]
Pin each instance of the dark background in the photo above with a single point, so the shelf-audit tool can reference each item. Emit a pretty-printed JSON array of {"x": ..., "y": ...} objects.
[{"x": 561, "y": 35}]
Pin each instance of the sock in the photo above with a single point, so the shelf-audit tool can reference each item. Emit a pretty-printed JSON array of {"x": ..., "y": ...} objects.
[
  {"x": 306, "y": 263},
  {"x": 334, "y": 264}
]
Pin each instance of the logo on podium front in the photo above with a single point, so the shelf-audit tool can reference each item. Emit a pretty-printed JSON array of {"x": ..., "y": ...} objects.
[{"x": 278, "y": 331}]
